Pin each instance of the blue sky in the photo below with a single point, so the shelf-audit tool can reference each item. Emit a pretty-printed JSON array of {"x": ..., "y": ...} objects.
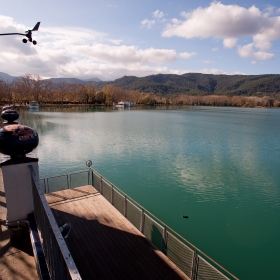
[{"x": 110, "y": 39}]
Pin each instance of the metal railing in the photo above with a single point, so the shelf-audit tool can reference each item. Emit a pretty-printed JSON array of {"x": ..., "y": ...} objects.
[
  {"x": 192, "y": 261},
  {"x": 65, "y": 181},
  {"x": 58, "y": 258}
]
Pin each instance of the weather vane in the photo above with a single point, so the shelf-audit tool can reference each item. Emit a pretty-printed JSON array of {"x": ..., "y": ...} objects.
[{"x": 28, "y": 34}]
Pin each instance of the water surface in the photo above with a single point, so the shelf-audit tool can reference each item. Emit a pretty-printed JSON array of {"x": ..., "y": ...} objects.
[{"x": 219, "y": 166}]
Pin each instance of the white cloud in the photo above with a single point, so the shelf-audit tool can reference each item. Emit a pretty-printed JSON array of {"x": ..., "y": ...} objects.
[
  {"x": 230, "y": 42},
  {"x": 218, "y": 20},
  {"x": 157, "y": 15},
  {"x": 249, "y": 51},
  {"x": 254, "y": 62},
  {"x": 215, "y": 49},
  {"x": 228, "y": 22},
  {"x": 125, "y": 55},
  {"x": 218, "y": 72},
  {"x": 263, "y": 55},
  {"x": 77, "y": 52},
  {"x": 148, "y": 23},
  {"x": 187, "y": 55}
]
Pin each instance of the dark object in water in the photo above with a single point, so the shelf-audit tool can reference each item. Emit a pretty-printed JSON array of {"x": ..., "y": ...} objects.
[
  {"x": 17, "y": 140},
  {"x": 185, "y": 217},
  {"x": 9, "y": 115}
]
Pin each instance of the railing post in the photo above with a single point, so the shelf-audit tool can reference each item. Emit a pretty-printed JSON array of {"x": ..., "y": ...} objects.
[
  {"x": 101, "y": 185},
  {"x": 45, "y": 188},
  {"x": 112, "y": 194},
  {"x": 68, "y": 181},
  {"x": 195, "y": 265},
  {"x": 48, "y": 185},
  {"x": 142, "y": 221},
  {"x": 125, "y": 206},
  {"x": 92, "y": 178},
  {"x": 164, "y": 240}
]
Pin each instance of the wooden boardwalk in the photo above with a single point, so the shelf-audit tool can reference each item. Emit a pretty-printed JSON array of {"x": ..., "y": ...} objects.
[
  {"x": 16, "y": 259},
  {"x": 103, "y": 243}
]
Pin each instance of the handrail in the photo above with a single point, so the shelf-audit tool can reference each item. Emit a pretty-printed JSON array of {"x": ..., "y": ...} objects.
[{"x": 41, "y": 206}]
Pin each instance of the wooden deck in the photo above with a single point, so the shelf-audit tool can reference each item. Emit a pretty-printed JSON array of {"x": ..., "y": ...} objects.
[
  {"x": 16, "y": 258},
  {"x": 103, "y": 243}
]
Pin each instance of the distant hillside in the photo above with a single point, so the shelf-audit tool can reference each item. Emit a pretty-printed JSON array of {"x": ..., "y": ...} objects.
[
  {"x": 74, "y": 80},
  {"x": 201, "y": 84},
  {"x": 9, "y": 78},
  {"x": 189, "y": 83},
  {"x": 6, "y": 77},
  {"x": 93, "y": 80}
]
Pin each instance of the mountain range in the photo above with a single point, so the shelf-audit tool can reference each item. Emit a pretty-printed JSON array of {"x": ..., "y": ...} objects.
[
  {"x": 8, "y": 78},
  {"x": 189, "y": 83}
]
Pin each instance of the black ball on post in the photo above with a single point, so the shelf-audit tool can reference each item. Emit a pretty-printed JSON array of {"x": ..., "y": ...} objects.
[
  {"x": 9, "y": 115},
  {"x": 18, "y": 140}
]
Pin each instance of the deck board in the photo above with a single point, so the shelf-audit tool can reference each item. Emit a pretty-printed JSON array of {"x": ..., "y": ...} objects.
[{"x": 103, "y": 243}]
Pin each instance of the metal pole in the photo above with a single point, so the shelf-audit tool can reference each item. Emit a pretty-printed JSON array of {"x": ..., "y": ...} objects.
[
  {"x": 164, "y": 240},
  {"x": 92, "y": 178},
  {"x": 125, "y": 206},
  {"x": 101, "y": 186},
  {"x": 142, "y": 221}
]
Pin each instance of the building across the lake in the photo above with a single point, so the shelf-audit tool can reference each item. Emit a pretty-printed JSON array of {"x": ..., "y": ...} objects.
[{"x": 126, "y": 104}]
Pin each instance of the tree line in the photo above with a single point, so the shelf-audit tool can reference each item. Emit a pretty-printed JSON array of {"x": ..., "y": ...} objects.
[{"x": 32, "y": 87}]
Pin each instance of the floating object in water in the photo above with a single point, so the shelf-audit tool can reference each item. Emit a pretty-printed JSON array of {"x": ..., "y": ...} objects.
[{"x": 185, "y": 217}]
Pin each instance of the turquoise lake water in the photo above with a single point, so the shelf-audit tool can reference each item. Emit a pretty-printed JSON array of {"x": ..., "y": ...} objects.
[{"x": 220, "y": 166}]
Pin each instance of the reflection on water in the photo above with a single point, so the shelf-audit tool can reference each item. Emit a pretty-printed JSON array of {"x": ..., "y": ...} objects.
[{"x": 219, "y": 166}]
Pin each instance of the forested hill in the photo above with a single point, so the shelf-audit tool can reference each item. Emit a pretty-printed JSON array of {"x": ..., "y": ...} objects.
[{"x": 201, "y": 84}]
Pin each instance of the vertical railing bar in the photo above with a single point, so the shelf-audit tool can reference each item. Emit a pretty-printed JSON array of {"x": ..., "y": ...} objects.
[
  {"x": 164, "y": 240},
  {"x": 101, "y": 185},
  {"x": 112, "y": 194},
  {"x": 125, "y": 206},
  {"x": 67, "y": 178},
  {"x": 48, "y": 185},
  {"x": 142, "y": 221}
]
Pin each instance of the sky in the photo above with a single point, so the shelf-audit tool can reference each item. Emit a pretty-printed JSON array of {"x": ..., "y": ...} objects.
[{"x": 110, "y": 39}]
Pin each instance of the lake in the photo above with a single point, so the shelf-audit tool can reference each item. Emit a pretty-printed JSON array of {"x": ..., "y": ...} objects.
[{"x": 218, "y": 165}]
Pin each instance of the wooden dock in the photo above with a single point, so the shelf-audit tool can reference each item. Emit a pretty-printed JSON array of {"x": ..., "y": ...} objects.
[
  {"x": 16, "y": 258},
  {"x": 103, "y": 243}
]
